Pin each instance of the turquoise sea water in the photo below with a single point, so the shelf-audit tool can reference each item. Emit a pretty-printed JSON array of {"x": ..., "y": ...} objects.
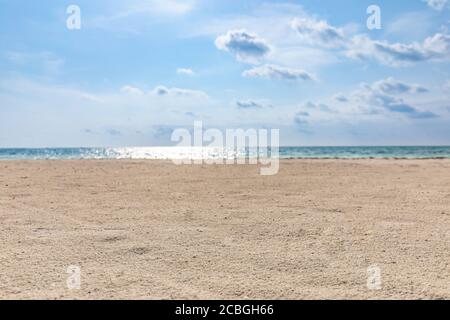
[{"x": 177, "y": 153}]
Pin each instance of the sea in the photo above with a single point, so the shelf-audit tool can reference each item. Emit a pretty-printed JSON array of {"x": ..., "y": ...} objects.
[{"x": 165, "y": 153}]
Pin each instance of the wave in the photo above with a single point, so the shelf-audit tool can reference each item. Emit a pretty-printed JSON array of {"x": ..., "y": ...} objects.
[{"x": 166, "y": 153}]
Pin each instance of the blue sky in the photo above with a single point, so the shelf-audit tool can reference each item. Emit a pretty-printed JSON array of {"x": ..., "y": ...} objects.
[{"x": 138, "y": 69}]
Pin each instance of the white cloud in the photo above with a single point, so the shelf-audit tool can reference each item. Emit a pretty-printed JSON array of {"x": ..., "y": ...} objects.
[
  {"x": 156, "y": 7},
  {"x": 246, "y": 46},
  {"x": 136, "y": 16},
  {"x": 382, "y": 99},
  {"x": 162, "y": 91},
  {"x": 45, "y": 95},
  {"x": 252, "y": 104},
  {"x": 435, "y": 48},
  {"x": 322, "y": 107},
  {"x": 340, "y": 98},
  {"x": 301, "y": 118},
  {"x": 393, "y": 86},
  {"x": 172, "y": 7},
  {"x": 318, "y": 32},
  {"x": 268, "y": 19},
  {"x": 411, "y": 25},
  {"x": 30, "y": 106},
  {"x": 387, "y": 95},
  {"x": 47, "y": 61},
  {"x": 299, "y": 57},
  {"x": 438, "y": 5},
  {"x": 276, "y": 72},
  {"x": 185, "y": 71},
  {"x": 273, "y": 23},
  {"x": 131, "y": 90},
  {"x": 447, "y": 86},
  {"x": 438, "y": 46}
]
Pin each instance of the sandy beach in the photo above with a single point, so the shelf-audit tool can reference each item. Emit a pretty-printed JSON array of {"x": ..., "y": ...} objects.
[{"x": 153, "y": 230}]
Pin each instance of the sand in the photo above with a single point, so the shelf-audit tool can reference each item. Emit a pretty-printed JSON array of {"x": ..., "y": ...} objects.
[{"x": 153, "y": 230}]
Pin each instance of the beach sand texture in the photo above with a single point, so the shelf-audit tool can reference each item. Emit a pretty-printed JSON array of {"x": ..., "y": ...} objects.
[{"x": 153, "y": 230}]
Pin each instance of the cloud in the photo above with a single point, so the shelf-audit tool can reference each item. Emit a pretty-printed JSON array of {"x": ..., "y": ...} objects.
[
  {"x": 185, "y": 71},
  {"x": 250, "y": 104},
  {"x": 162, "y": 91},
  {"x": 190, "y": 114},
  {"x": 131, "y": 90},
  {"x": 156, "y": 7},
  {"x": 29, "y": 107},
  {"x": 269, "y": 71},
  {"x": 302, "y": 122},
  {"x": 438, "y": 46},
  {"x": 162, "y": 131},
  {"x": 317, "y": 107},
  {"x": 301, "y": 118},
  {"x": 438, "y": 5},
  {"x": 88, "y": 131},
  {"x": 271, "y": 21},
  {"x": 322, "y": 43},
  {"x": 411, "y": 25},
  {"x": 247, "y": 47},
  {"x": 114, "y": 132},
  {"x": 340, "y": 98},
  {"x": 435, "y": 48},
  {"x": 137, "y": 16},
  {"x": 423, "y": 115},
  {"x": 362, "y": 47},
  {"x": 446, "y": 86},
  {"x": 318, "y": 32},
  {"x": 392, "y": 86},
  {"x": 384, "y": 94},
  {"x": 382, "y": 98},
  {"x": 170, "y": 7},
  {"x": 47, "y": 61}
]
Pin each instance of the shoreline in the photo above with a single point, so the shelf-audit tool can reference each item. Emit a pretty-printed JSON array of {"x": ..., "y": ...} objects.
[
  {"x": 292, "y": 159},
  {"x": 222, "y": 154}
]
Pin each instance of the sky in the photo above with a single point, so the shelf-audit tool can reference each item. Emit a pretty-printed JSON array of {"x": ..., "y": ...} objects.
[{"x": 136, "y": 70}]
